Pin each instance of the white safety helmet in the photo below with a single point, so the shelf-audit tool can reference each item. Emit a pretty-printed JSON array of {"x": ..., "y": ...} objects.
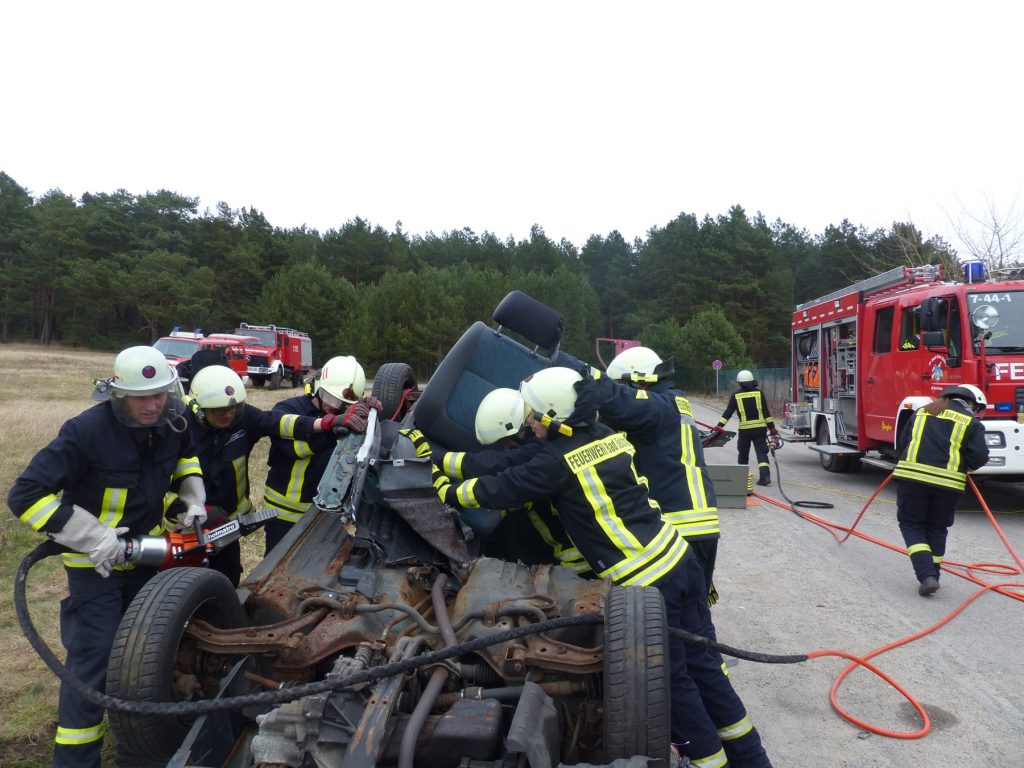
[
  {"x": 500, "y": 414},
  {"x": 969, "y": 393},
  {"x": 341, "y": 380},
  {"x": 979, "y": 397},
  {"x": 142, "y": 371},
  {"x": 744, "y": 377},
  {"x": 635, "y": 364},
  {"x": 550, "y": 393},
  {"x": 217, "y": 386}
]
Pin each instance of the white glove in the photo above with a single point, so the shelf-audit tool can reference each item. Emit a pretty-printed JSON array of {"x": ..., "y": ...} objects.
[
  {"x": 84, "y": 533},
  {"x": 193, "y": 493}
]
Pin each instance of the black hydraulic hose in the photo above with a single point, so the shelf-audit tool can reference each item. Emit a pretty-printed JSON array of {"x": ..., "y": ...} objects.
[
  {"x": 794, "y": 504},
  {"x": 281, "y": 696},
  {"x": 407, "y": 750}
]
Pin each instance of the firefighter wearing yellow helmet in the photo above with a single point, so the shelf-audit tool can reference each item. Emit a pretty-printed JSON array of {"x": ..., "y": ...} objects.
[
  {"x": 225, "y": 429},
  {"x": 586, "y": 471}
]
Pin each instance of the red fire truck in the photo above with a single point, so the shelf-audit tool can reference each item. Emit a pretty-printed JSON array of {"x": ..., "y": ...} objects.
[
  {"x": 866, "y": 356},
  {"x": 281, "y": 354}
]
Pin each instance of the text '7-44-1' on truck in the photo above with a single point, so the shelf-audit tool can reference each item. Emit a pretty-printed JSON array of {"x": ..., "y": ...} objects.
[{"x": 866, "y": 356}]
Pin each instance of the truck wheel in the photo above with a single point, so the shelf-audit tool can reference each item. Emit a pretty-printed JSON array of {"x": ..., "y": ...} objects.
[
  {"x": 257, "y": 379},
  {"x": 637, "y": 705},
  {"x": 153, "y": 660},
  {"x": 296, "y": 379},
  {"x": 392, "y": 385},
  {"x": 831, "y": 462},
  {"x": 275, "y": 379}
]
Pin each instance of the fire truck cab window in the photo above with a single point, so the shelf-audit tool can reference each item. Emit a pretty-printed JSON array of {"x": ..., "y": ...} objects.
[
  {"x": 910, "y": 328},
  {"x": 883, "y": 330}
]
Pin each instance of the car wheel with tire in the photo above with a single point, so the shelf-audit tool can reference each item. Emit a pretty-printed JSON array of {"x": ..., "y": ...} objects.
[
  {"x": 153, "y": 659},
  {"x": 393, "y": 385},
  {"x": 637, "y": 702}
]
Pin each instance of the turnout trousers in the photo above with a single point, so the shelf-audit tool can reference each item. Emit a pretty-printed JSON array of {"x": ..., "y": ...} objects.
[
  {"x": 709, "y": 722},
  {"x": 925, "y": 514},
  {"x": 757, "y": 437},
  {"x": 89, "y": 617}
]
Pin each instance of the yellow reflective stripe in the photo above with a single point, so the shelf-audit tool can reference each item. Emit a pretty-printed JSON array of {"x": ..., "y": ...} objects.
[
  {"x": 542, "y": 529},
  {"x": 758, "y": 420},
  {"x": 736, "y": 730},
  {"x": 683, "y": 406},
  {"x": 302, "y": 449},
  {"x": 452, "y": 464},
  {"x": 187, "y": 466},
  {"x": 641, "y": 394},
  {"x": 287, "y": 508},
  {"x": 660, "y": 568},
  {"x": 286, "y": 426},
  {"x": 694, "y": 523},
  {"x": 112, "y": 509},
  {"x": 241, "y": 467},
  {"x": 39, "y": 513},
  {"x": 639, "y": 556},
  {"x": 605, "y": 513},
  {"x": 717, "y": 760},
  {"x": 76, "y": 560},
  {"x": 73, "y": 736},
  {"x": 913, "y": 549},
  {"x": 931, "y": 475},
  {"x": 937, "y": 559},
  {"x": 464, "y": 493}
]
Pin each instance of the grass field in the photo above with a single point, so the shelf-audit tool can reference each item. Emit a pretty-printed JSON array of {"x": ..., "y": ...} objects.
[{"x": 42, "y": 387}]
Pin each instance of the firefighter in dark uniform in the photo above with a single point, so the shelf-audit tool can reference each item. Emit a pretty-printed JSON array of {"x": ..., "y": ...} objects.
[
  {"x": 756, "y": 424},
  {"x": 296, "y": 466},
  {"x": 658, "y": 421},
  {"x": 587, "y": 472},
  {"x": 106, "y": 475},
  {"x": 225, "y": 429},
  {"x": 501, "y": 420},
  {"x": 941, "y": 444}
]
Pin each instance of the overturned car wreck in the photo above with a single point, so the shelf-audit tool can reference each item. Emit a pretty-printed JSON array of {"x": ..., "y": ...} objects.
[{"x": 458, "y": 660}]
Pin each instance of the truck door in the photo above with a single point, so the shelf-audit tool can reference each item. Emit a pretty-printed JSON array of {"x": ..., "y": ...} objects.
[{"x": 878, "y": 396}]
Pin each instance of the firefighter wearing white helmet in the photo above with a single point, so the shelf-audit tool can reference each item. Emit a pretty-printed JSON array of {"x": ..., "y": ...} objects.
[
  {"x": 105, "y": 476},
  {"x": 756, "y": 425},
  {"x": 639, "y": 365},
  {"x": 500, "y": 419},
  {"x": 219, "y": 411},
  {"x": 658, "y": 420},
  {"x": 144, "y": 390},
  {"x": 586, "y": 471},
  {"x": 938, "y": 447},
  {"x": 336, "y": 397}
]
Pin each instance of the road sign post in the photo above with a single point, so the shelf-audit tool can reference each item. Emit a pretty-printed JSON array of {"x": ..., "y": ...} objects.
[{"x": 717, "y": 365}]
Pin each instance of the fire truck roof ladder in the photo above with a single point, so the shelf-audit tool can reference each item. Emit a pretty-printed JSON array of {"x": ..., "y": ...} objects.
[{"x": 894, "y": 278}]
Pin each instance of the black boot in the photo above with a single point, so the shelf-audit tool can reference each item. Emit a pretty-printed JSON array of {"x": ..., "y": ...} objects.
[{"x": 929, "y": 585}]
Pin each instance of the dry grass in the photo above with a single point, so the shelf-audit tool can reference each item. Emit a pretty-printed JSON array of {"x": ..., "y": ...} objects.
[{"x": 40, "y": 388}]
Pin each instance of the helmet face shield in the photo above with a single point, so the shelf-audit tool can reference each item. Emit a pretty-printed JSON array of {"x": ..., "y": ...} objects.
[
  {"x": 500, "y": 414},
  {"x": 150, "y": 410},
  {"x": 341, "y": 381}
]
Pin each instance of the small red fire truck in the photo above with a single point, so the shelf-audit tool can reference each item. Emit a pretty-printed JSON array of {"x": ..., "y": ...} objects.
[
  {"x": 866, "y": 356},
  {"x": 279, "y": 355}
]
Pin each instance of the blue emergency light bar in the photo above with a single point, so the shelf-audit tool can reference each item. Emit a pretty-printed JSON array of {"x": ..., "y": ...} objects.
[{"x": 974, "y": 272}]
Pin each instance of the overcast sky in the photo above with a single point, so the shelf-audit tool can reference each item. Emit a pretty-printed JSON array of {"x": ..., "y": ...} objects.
[{"x": 582, "y": 117}]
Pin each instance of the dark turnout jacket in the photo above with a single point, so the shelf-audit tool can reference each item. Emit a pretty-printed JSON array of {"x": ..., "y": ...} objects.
[{"x": 940, "y": 450}]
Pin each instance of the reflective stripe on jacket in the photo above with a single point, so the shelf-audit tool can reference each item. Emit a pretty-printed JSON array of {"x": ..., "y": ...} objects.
[{"x": 940, "y": 450}]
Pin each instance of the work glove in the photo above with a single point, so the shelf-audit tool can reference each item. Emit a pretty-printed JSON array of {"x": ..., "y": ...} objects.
[
  {"x": 84, "y": 533},
  {"x": 374, "y": 403},
  {"x": 443, "y": 486},
  {"x": 192, "y": 493},
  {"x": 327, "y": 422},
  {"x": 420, "y": 443},
  {"x": 354, "y": 419},
  {"x": 774, "y": 441}
]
